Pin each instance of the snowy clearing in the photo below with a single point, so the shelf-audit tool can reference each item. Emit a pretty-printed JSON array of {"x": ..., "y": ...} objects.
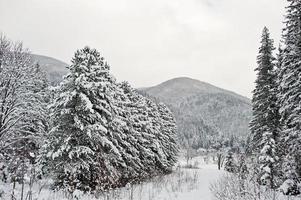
[{"x": 182, "y": 184}]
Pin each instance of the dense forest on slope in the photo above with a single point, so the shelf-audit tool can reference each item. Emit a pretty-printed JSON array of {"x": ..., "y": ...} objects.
[{"x": 204, "y": 113}]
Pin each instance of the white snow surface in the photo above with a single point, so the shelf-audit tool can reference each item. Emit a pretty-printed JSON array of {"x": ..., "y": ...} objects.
[
  {"x": 178, "y": 186},
  {"x": 182, "y": 184}
]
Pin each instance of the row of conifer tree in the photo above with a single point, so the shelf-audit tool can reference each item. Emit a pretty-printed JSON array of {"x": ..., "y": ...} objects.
[
  {"x": 88, "y": 133},
  {"x": 275, "y": 140}
]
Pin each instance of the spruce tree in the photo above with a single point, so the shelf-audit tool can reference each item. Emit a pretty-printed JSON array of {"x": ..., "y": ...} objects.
[
  {"x": 268, "y": 159},
  {"x": 264, "y": 125},
  {"x": 230, "y": 163},
  {"x": 261, "y": 105},
  {"x": 125, "y": 138},
  {"x": 152, "y": 133},
  {"x": 168, "y": 132},
  {"x": 142, "y": 134},
  {"x": 290, "y": 97},
  {"x": 106, "y": 134},
  {"x": 81, "y": 152}
]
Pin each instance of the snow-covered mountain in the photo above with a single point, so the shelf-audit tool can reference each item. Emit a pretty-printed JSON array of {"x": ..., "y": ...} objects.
[
  {"x": 55, "y": 69},
  {"x": 204, "y": 111}
]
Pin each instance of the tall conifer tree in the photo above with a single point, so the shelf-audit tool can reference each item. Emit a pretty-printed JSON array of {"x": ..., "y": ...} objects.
[
  {"x": 265, "y": 121},
  {"x": 81, "y": 149},
  {"x": 290, "y": 98}
]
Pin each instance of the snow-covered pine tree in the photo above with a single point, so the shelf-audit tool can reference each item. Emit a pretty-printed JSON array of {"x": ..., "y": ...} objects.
[
  {"x": 168, "y": 135},
  {"x": 82, "y": 154},
  {"x": 141, "y": 137},
  {"x": 106, "y": 134},
  {"x": 153, "y": 128},
  {"x": 267, "y": 160},
  {"x": 264, "y": 125},
  {"x": 230, "y": 165},
  {"x": 290, "y": 97},
  {"x": 242, "y": 172},
  {"x": 162, "y": 127},
  {"x": 262, "y": 113},
  {"x": 280, "y": 140},
  {"x": 242, "y": 166},
  {"x": 124, "y": 138}
]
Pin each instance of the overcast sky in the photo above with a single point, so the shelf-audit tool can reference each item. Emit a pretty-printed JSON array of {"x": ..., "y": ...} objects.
[{"x": 150, "y": 41}]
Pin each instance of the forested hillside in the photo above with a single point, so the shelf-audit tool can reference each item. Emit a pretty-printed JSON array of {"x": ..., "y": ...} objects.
[
  {"x": 205, "y": 114},
  {"x": 54, "y": 68}
]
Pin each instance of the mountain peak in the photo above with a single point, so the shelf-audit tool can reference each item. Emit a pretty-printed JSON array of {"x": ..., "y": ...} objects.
[
  {"x": 183, "y": 87},
  {"x": 203, "y": 110}
]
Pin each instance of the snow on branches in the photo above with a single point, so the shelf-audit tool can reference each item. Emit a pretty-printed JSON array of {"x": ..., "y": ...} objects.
[{"x": 104, "y": 134}]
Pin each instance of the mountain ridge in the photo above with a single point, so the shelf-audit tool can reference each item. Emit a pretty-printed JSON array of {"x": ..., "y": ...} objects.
[{"x": 226, "y": 113}]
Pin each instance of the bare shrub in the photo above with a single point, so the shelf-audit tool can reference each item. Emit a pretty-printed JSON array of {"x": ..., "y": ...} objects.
[{"x": 231, "y": 187}]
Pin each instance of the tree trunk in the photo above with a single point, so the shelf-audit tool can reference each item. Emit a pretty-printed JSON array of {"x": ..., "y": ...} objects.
[
  {"x": 219, "y": 161},
  {"x": 13, "y": 192},
  {"x": 23, "y": 173}
]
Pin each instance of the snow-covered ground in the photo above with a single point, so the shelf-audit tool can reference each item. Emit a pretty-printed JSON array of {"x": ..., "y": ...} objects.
[{"x": 182, "y": 184}]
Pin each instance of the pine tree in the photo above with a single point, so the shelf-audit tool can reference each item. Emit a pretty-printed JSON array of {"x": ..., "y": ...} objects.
[
  {"x": 154, "y": 129},
  {"x": 289, "y": 98},
  {"x": 242, "y": 173},
  {"x": 168, "y": 138},
  {"x": 83, "y": 156},
  {"x": 142, "y": 134},
  {"x": 230, "y": 163},
  {"x": 262, "y": 113},
  {"x": 105, "y": 134},
  {"x": 265, "y": 122},
  {"x": 280, "y": 140},
  {"x": 153, "y": 133},
  {"x": 125, "y": 138},
  {"x": 267, "y": 160}
]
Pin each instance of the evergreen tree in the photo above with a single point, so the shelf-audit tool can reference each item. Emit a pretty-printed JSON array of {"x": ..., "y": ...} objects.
[
  {"x": 83, "y": 156},
  {"x": 267, "y": 160},
  {"x": 230, "y": 163},
  {"x": 168, "y": 138},
  {"x": 290, "y": 97},
  {"x": 265, "y": 122},
  {"x": 106, "y": 134},
  {"x": 154, "y": 132},
  {"x": 262, "y": 120},
  {"x": 281, "y": 149},
  {"x": 142, "y": 132},
  {"x": 242, "y": 173},
  {"x": 125, "y": 139}
]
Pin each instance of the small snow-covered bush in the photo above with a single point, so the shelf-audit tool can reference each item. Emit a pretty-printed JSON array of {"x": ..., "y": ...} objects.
[{"x": 231, "y": 187}]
